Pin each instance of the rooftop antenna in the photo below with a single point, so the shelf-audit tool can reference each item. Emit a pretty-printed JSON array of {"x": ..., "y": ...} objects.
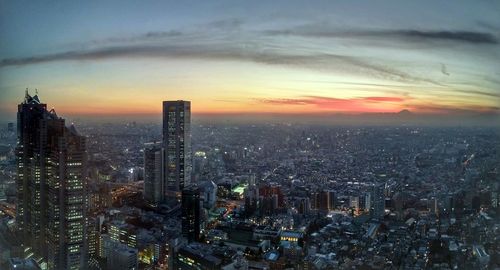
[
  {"x": 26, "y": 91},
  {"x": 36, "y": 91}
]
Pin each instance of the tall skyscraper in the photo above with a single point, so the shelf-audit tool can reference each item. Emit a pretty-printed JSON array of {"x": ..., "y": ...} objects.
[
  {"x": 367, "y": 201},
  {"x": 378, "y": 199},
  {"x": 331, "y": 194},
  {"x": 154, "y": 188},
  {"x": 323, "y": 200},
  {"x": 191, "y": 218},
  {"x": 51, "y": 162},
  {"x": 177, "y": 144},
  {"x": 10, "y": 127},
  {"x": 354, "y": 202},
  {"x": 251, "y": 195}
]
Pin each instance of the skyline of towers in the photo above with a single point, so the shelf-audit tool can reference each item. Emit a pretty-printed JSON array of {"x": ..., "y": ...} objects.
[
  {"x": 51, "y": 160},
  {"x": 303, "y": 183},
  {"x": 177, "y": 144},
  {"x": 168, "y": 167}
]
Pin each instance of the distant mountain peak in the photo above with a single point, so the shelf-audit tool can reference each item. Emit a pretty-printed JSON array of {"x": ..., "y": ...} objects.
[{"x": 405, "y": 112}]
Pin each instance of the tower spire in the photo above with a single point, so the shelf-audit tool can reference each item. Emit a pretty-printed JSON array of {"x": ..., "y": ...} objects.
[{"x": 26, "y": 96}]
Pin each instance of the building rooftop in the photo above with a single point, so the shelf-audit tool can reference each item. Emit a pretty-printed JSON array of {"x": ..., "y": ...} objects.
[{"x": 23, "y": 264}]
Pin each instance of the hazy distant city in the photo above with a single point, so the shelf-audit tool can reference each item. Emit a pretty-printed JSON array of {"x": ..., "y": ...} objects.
[{"x": 187, "y": 195}]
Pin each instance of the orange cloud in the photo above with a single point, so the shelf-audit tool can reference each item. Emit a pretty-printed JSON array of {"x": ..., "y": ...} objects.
[{"x": 355, "y": 105}]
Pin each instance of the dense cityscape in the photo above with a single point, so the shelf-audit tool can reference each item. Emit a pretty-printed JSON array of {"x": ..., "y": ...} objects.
[
  {"x": 183, "y": 194},
  {"x": 250, "y": 135}
]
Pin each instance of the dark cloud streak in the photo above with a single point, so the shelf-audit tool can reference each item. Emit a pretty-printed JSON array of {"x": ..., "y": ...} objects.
[
  {"x": 481, "y": 93},
  {"x": 226, "y": 24},
  {"x": 454, "y": 110},
  {"x": 458, "y": 36},
  {"x": 225, "y": 51},
  {"x": 414, "y": 35},
  {"x": 444, "y": 70}
]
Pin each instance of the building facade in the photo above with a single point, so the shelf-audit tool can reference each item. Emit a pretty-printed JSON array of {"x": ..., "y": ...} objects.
[
  {"x": 122, "y": 257},
  {"x": 191, "y": 218},
  {"x": 154, "y": 188},
  {"x": 177, "y": 144},
  {"x": 51, "y": 184},
  {"x": 378, "y": 201}
]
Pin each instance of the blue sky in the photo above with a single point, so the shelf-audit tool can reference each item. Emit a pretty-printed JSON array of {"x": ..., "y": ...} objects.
[{"x": 242, "y": 56}]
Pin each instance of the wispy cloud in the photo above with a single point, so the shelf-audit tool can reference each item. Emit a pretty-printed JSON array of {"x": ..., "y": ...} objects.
[
  {"x": 444, "y": 70},
  {"x": 488, "y": 26},
  {"x": 455, "y": 36},
  {"x": 378, "y": 104},
  {"x": 227, "y": 51},
  {"x": 384, "y": 99},
  {"x": 480, "y": 93},
  {"x": 148, "y": 36},
  {"x": 361, "y": 104},
  {"x": 225, "y": 24},
  {"x": 453, "y": 110},
  {"x": 325, "y": 31},
  {"x": 221, "y": 45}
]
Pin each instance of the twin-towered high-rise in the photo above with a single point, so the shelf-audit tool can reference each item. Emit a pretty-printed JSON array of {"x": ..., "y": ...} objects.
[{"x": 51, "y": 162}]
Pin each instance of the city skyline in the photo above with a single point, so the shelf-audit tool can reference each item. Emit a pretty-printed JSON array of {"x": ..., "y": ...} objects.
[
  {"x": 279, "y": 58},
  {"x": 266, "y": 196},
  {"x": 234, "y": 135}
]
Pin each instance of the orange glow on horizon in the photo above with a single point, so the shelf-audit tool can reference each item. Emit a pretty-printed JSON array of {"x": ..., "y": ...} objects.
[
  {"x": 94, "y": 105},
  {"x": 250, "y": 107},
  {"x": 278, "y": 109}
]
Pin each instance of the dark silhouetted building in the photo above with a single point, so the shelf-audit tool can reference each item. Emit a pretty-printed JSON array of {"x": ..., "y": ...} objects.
[
  {"x": 197, "y": 257},
  {"x": 251, "y": 195},
  {"x": 122, "y": 257},
  {"x": 10, "y": 127},
  {"x": 272, "y": 190},
  {"x": 323, "y": 200},
  {"x": 154, "y": 188},
  {"x": 378, "y": 201},
  {"x": 51, "y": 186},
  {"x": 191, "y": 218}
]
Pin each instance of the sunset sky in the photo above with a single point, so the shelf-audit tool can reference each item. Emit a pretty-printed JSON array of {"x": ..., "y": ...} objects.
[{"x": 125, "y": 57}]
